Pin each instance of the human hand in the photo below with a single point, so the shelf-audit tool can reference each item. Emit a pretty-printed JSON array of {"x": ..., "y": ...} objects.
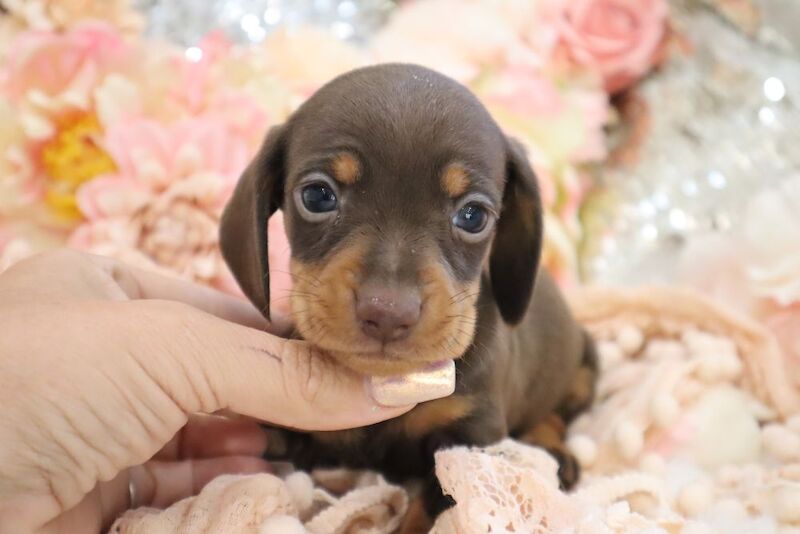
[{"x": 101, "y": 367}]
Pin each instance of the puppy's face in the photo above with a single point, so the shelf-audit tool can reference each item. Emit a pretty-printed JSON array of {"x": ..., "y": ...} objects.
[{"x": 394, "y": 182}]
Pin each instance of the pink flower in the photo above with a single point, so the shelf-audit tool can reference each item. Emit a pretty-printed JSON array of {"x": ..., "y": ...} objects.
[
  {"x": 564, "y": 122},
  {"x": 161, "y": 209},
  {"x": 526, "y": 92},
  {"x": 54, "y": 63},
  {"x": 620, "y": 38}
]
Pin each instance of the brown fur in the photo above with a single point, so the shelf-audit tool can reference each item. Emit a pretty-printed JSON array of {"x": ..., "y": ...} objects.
[
  {"x": 341, "y": 438},
  {"x": 435, "y": 414}
]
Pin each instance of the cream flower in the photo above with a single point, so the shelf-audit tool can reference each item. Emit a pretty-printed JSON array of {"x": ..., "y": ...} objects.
[
  {"x": 61, "y": 14},
  {"x": 306, "y": 58},
  {"x": 458, "y": 38}
]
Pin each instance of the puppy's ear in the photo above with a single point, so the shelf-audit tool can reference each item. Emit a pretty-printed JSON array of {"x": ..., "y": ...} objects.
[
  {"x": 517, "y": 245},
  {"x": 243, "y": 228}
]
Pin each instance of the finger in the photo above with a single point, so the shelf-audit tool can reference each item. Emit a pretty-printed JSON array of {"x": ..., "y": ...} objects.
[
  {"x": 206, "y": 436},
  {"x": 142, "y": 284},
  {"x": 96, "y": 511},
  {"x": 290, "y": 383},
  {"x": 156, "y": 286},
  {"x": 206, "y": 365},
  {"x": 160, "y": 484}
]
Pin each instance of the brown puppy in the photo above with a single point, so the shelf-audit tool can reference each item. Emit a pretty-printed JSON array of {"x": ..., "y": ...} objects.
[{"x": 416, "y": 229}]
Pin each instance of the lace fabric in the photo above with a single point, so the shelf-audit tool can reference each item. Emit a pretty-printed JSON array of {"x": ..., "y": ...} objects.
[{"x": 692, "y": 431}]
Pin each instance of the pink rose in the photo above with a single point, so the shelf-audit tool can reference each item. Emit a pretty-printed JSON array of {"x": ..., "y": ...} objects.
[{"x": 619, "y": 38}]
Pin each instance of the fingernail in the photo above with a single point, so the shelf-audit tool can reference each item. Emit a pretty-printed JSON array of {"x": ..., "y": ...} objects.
[{"x": 434, "y": 382}]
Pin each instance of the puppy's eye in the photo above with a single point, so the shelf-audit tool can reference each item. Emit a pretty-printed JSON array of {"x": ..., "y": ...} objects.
[
  {"x": 472, "y": 218},
  {"x": 319, "y": 198}
]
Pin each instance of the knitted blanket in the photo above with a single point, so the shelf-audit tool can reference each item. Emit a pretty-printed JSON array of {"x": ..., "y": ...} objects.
[{"x": 696, "y": 429}]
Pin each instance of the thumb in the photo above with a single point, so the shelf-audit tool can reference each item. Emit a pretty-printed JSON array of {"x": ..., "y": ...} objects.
[{"x": 226, "y": 366}]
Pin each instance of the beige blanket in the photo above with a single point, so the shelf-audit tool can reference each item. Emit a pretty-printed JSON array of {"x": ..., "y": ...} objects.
[{"x": 696, "y": 429}]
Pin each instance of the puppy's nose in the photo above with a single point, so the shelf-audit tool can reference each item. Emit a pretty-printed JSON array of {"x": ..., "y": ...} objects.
[{"x": 387, "y": 314}]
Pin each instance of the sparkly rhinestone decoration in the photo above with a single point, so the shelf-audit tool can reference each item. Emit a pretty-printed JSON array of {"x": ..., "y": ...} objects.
[
  {"x": 250, "y": 21},
  {"x": 724, "y": 123}
]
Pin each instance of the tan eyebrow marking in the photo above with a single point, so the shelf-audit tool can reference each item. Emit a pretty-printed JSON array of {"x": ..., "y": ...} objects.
[
  {"x": 346, "y": 168},
  {"x": 455, "y": 180}
]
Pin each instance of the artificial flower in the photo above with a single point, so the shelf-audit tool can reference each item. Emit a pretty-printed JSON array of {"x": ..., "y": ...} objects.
[
  {"x": 63, "y": 14},
  {"x": 51, "y": 71},
  {"x": 566, "y": 122},
  {"x": 620, "y": 38},
  {"x": 15, "y": 182},
  {"x": 474, "y": 36},
  {"x": 306, "y": 58},
  {"x": 160, "y": 210},
  {"x": 50, "y": 80}
]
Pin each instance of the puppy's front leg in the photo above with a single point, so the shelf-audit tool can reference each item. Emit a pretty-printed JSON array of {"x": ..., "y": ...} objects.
[
  {"x": 550, "y": 435},
  {"x": 486, "y": 426},
  {"x": 298, "y": 448}
]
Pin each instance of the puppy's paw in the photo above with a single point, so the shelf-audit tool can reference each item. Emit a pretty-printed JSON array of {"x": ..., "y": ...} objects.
[
  {"x": 549, "y": 434},
  {"x": 569, "y": 470}
]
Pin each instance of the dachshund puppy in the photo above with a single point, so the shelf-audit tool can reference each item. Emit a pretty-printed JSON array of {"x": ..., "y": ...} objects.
[{"x": 415, "y": 228}]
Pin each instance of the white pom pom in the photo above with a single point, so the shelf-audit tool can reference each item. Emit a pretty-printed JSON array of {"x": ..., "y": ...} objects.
[
  {"x": 781, "y": 442},
  {"x": 643, "y": 503},
  {"x": 630, "y": 339},
  {"x": 663, "y": 349},
  {"x": 653, "y": 463},
  {"x": 629, "y": 439},
  {"x": 786, "y": 502},
  {"x": 731, "y": 366},
  {"x": 282, "y": 523},
  {"x": 718, "y": 366},
  {"x": 664, "y": 409},
  {"x": 610, "y": 354},
  {"x": 700, "y": 343},
  {"x": 696, "y": 497},
  {"x": 584, "y": 448},
  {"x": 696, "y": 527},
  {"x": 301, "y": 487},
  {"x": 730, "y": 509}
]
